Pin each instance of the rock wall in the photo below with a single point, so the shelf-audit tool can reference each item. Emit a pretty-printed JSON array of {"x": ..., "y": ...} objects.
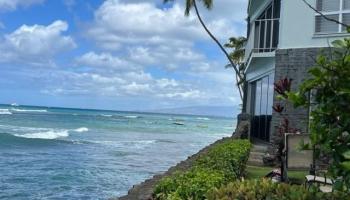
[
  {"x": 294, "y": 64},
  {"x": 144, "y": 190}
]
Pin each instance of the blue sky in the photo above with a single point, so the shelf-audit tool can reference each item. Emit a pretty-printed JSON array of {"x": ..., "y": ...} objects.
[{"x": 115, "y": 54}]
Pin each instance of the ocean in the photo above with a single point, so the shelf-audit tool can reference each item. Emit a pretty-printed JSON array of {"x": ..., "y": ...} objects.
[{"x": 60, "y": 153}]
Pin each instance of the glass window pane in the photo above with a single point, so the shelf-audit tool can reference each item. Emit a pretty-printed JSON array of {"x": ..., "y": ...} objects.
[
  {"x": 257, "y": 98},
  {"x": 328, "y": 5},
  {"x": 264, "y": 97},
  {"x": 346, "y": 20},
  {"x": 270, "y": 94},
  {"x": 275, "y": 33},
  {"x": 257, "y": 34},
  {"x": 346, "y": 4},
  {"x": 268, "y": 35},
  {"x": 262, "y": 36},
  {"x": 326, "y": 26},
  {"x": 276, "y": 8}
]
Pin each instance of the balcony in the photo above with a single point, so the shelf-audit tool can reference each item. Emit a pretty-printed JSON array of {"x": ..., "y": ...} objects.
[
  {"x": 263, "y": 32},
  {"x": 266, "y": 33}
]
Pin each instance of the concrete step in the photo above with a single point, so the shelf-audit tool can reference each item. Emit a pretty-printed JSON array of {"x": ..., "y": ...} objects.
[
  {"x": 259, "y": 148},
  {"x": 256, "y": 155}
]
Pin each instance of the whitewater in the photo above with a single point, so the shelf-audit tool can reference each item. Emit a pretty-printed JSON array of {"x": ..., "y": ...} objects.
[{"x": 60, "y": 153}]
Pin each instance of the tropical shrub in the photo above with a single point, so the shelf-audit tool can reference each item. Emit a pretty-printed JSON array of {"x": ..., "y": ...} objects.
[
  {"x": 328, "y": 89},
  {"x": 194, "y": 184},
  {"x": 222, "y": 163},
  {"x": 265, "y": 189}
]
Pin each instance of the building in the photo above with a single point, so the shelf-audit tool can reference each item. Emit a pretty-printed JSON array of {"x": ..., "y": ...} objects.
[{"x": 284, "y": 39}]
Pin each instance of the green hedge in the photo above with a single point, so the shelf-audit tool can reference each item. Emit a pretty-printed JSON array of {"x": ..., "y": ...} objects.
[
  {"x": 222, "y": 163},
  {"x": 264, "y": 189}
]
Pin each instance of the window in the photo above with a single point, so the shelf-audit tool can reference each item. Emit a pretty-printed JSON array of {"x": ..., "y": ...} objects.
[
  {"x": 262, "y": 101},
  {"x": 335, "y": 9},
  {"x": 266, "y": 28}
]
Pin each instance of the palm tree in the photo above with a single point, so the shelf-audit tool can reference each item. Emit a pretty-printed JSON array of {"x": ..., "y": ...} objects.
[
  {"x": 209, "y": 4},
  {"x": 237, "y": 55}
]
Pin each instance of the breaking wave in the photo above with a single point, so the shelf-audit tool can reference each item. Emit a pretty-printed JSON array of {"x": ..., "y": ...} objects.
[
  {"x": 131, "y": 116},
  {"x": 49, "y": 135},
  {"x": 81, "y": 129},
  {"x": 25, "y": 110},
  {"x": 203, "y": 118},
  {"x": 5, "y": 112}
]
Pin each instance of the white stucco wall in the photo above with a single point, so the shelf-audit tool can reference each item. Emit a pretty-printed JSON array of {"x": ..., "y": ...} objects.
[
  {"x": 259, "y": 67},
  {"x": 297, "y": 26}
]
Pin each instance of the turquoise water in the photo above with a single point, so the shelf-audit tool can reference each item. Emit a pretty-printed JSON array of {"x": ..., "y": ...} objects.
[{"x": 55, "y": 153}]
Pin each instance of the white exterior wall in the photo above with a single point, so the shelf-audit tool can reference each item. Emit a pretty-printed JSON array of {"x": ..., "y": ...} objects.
[{"x": 297, "y": 26}]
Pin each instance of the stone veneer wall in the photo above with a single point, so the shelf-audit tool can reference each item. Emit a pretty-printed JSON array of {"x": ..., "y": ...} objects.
[{"x": 294, "y": 64}]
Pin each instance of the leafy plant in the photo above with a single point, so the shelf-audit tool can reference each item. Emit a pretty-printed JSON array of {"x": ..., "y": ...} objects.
[
  {"x": 282, "y": 87},
  {"x": 222, "y": 163},
  {"x": 328, "y": 89},
  {"x": 265, "y": 189}
]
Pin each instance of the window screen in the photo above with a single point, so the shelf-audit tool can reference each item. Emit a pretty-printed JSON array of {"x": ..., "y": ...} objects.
[
  {"x": 346, "y": 4},
  {"x": 328, "y": 5},
  {"x": 326, "y": 26},
  {"x": 338, "y": 10}
]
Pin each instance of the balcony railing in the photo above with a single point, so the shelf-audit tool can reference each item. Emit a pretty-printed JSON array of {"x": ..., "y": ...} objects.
[{"x": 266, "y": 33}]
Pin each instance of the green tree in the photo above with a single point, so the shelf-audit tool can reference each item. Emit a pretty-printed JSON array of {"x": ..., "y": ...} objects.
[
  {"x": 209, "y": 4},
  {"x": 328, "y": 89},
  {"x": 237, "y": 45}
]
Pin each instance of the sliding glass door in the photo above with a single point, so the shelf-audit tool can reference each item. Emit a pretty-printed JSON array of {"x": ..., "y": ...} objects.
[{"x": 262, "y": 100}]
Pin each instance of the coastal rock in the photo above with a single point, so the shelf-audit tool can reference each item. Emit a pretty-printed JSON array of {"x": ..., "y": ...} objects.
[
  {"x": 144, "y": 190},
  {"x": 243, "y": 126}
]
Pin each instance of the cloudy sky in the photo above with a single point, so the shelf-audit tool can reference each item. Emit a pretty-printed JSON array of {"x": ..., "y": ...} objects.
[{"x": 115, "y": 54}]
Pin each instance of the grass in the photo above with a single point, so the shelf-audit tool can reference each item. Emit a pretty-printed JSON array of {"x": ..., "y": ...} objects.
[{"x": 254, "y": 172}]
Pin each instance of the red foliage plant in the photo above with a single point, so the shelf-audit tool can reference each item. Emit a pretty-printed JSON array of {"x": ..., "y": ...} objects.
[{"x": 283, "y": 86}]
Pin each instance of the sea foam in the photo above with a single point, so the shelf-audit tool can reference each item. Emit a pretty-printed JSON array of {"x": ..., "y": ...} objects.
[
  {"x": 132, "y": 116},
  {"x": 49, "y": 135},
  {"x": 5, "y": 112},
  {"x": 81, "y": 129},
  {"x": 203, "y": 118},
  {"x": 25, "y": 110}
]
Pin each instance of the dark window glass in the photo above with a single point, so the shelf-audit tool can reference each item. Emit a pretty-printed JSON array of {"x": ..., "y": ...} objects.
[
  {"x": 325, "y": 26},
  {"x": 262, "y": 37},
  {"x": 270, "y": 94},
  {"x": 257, "y": 98},
  {"x": 257, "y": 34},
  {"x": 276, "y": 8},
  {"x": 346, "y": 20},
  {"x": 328, "y": 5},
  {"x": 346, "y": 4},
  {"x": 264, "y": 94},
  {"x": 275, "y": 33}
]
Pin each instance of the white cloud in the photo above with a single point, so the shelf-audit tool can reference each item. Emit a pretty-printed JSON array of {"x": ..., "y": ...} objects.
[
  {"x": 142, "y": 53},
  {"x": 9, "y": 5},
  {"x": 105, "y": 61},
  {"x": 183, "y": 95},
  {"x": 119, "y": 23},
  {"x": 36, "y": 44}
]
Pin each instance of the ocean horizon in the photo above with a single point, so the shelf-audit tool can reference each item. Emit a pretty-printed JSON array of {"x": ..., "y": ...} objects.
[{"x": 73, "y": 153}]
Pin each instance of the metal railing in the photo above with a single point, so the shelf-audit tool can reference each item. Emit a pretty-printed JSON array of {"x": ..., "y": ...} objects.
[{"x": 266, "y": 33}]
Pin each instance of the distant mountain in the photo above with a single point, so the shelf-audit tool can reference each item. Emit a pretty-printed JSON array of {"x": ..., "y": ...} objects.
[{"x": 222, "y": 111}]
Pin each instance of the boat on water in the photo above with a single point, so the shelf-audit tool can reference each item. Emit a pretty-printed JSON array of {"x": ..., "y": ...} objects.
[{"x": 179, "y": 123}]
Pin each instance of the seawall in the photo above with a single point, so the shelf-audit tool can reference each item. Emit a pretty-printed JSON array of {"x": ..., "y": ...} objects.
[{"x": 144, "y": 190}]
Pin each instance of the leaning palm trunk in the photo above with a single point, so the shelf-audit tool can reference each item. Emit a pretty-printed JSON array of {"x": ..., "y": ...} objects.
[{"x": 238, "y": 75}]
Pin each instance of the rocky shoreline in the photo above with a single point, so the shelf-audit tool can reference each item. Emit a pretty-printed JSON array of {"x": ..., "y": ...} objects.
[{"x": 144, "y": 190}]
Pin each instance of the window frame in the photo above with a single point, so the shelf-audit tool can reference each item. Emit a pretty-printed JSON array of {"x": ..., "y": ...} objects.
[{"x": 340, "y": 12}]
